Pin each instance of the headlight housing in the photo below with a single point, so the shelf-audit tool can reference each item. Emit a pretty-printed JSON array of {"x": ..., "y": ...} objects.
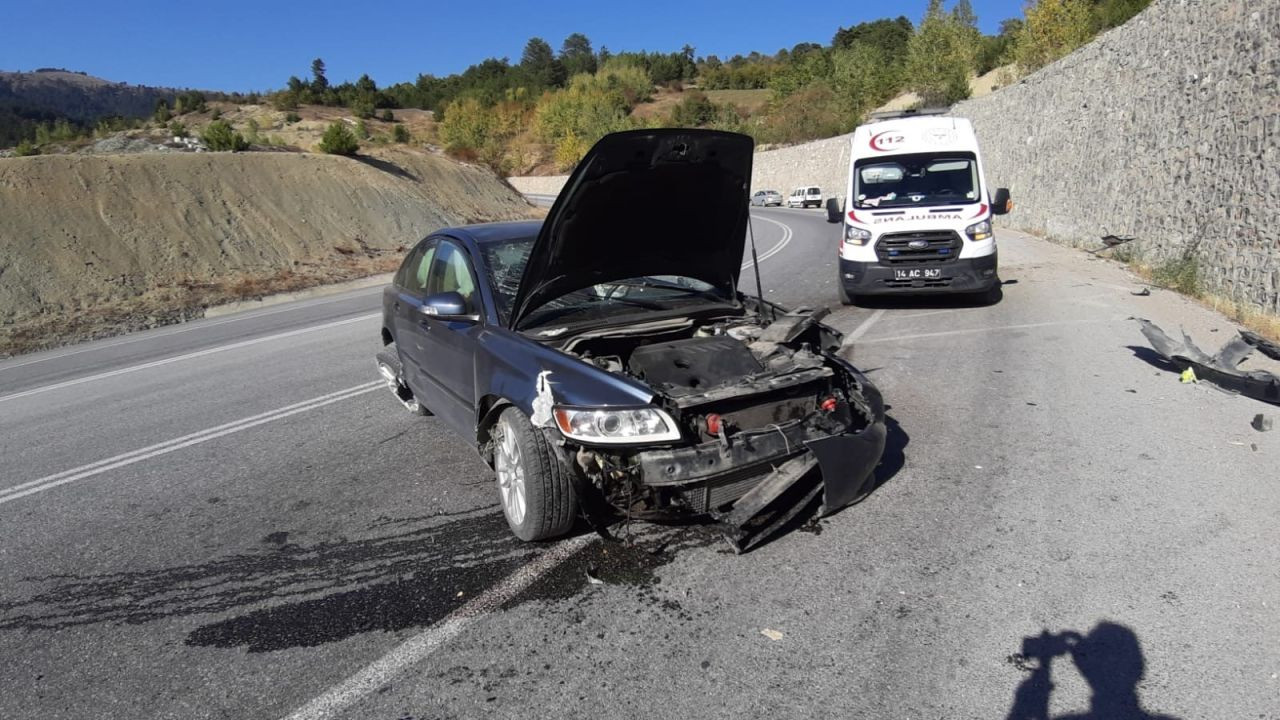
[
  {"x": 616, "y": 426},
  {"x": 979, "y": 231},
  {"x": 856, "y": 236}
]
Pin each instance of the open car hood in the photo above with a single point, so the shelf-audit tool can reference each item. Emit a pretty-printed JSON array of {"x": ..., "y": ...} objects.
[{"x": 644, "y": 202}]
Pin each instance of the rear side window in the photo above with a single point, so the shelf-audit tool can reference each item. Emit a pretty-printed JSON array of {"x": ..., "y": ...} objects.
[{"x": 413, "y": 274}]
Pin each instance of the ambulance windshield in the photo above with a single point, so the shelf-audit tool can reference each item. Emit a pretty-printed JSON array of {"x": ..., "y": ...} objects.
[{"x": 916, "y": 180}]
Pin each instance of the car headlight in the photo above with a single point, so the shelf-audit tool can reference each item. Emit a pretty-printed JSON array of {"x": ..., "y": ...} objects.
[
  {"x": 616, "y": 426},
  {"x": 856, "y": 236},
  {"x": 979, "y": 231}
]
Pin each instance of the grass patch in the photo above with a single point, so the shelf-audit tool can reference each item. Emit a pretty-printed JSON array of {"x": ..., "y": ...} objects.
[{"x": 1180, "y": 274}]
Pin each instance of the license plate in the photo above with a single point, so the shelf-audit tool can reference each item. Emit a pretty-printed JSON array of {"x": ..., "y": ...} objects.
[{"x": 917, "y": 274}]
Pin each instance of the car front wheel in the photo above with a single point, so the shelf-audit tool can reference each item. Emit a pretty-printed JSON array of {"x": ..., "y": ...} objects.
[{"x": 534, "y": 485}]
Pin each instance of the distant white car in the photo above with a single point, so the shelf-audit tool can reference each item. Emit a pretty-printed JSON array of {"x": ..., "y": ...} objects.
[
  {"x": 803, "y": 197},
  {"x": 766, "y": 198}
]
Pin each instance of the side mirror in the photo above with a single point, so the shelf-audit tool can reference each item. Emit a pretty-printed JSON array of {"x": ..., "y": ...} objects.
[
  {"x": 446, "y": 305},
  {"x": 834, "y": 210},
  {"x": 1002, "y": 203}
]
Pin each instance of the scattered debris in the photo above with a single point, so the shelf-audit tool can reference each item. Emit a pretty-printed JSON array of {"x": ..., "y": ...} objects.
[
  {"x": 1262, "y": 422},
  {"x": 592, "y": 578},
  {"x": 771, "y": 634},
  {"x": 1111, "y": 241},
  {"x": 1131, "y": 390},
  {"x": 1223, "y": 369},
  {"x": 1144, "y": 292}
]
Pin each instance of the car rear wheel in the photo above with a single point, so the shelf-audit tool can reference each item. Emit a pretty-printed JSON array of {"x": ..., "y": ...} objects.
[
  {"x": 534, "y": 485},
  {"x": 392, "y": 373}
]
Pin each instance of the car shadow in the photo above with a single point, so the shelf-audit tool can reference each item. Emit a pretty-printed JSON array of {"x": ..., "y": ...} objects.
[
  {"x": 1109, "y": 658},
  {"x": 932, "y": 302}
]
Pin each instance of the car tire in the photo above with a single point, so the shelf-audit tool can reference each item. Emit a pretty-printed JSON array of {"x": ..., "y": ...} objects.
[
  {"x": 845, "y": 297},
  {"x": 535, "y": 487},
  {"x": 392, "y": 372}
]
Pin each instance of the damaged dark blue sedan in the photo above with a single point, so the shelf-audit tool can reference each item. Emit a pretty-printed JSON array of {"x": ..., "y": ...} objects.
[{"x": 606, "y": 359}]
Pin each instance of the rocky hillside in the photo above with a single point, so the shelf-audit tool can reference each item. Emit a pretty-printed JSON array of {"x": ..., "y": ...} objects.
[
  {"x": 76, "y": 96},
  {"x": 90, "y": 244}
]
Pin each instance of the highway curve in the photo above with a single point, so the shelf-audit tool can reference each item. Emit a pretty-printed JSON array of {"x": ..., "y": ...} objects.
[{"x": 231, "y": 519}]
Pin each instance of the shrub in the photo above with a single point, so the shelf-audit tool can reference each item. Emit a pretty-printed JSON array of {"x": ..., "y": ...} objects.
[
  {"x": 251, "y": 132},
  {"x": 362, "y": 107},
  {"x": 1181, "y": 274},
  {"x": 178, "y": 128},
  {"x": 216, "y": 114},
  {"x": 292, "y": 117},
  {"x": 388, "y": 116},
  {"x": 694, "y": 110},
  {"x": 400, "y": 134},
  {"x": 25, "y": 149},
  {"x": 219, "y": 135},
  {"x": 1053, "y": 29},
  {"x": 362, "y": 130},
  {"x": 339, "y": 140}
]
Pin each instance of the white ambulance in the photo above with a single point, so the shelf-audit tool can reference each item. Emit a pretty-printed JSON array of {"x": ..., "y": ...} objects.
[{"x": 917, "y": 212}]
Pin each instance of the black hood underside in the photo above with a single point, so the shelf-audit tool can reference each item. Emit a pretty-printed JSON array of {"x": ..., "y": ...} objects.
[{"x": 643, "y": 203}]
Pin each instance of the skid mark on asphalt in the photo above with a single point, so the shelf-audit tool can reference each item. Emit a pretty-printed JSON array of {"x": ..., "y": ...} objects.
[{"x": 83, "y": 472}]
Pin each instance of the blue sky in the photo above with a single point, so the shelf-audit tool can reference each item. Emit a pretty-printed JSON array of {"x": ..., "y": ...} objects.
[{"x": 224, "y": 45}]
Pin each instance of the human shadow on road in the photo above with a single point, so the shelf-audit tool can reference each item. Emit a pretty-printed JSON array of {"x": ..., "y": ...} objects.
[{"x": 1109, "y": 658}]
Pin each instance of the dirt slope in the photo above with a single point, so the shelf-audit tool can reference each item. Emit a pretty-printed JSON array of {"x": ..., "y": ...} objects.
[{"x": 134, "y": 239}]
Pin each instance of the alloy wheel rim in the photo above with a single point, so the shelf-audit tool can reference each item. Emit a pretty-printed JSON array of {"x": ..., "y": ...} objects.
[{"x": 510, "y": 471}]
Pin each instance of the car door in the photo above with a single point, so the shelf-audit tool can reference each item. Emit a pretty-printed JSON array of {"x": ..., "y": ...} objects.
[
  {"x": 446, "y": 346},
  {"x": 410, "y": 288}
]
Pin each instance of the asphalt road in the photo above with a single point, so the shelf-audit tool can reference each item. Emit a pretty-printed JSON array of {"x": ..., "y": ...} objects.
[{"x": 229, "y": 519}]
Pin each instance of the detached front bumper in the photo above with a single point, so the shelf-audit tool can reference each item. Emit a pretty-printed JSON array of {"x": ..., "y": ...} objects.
[{"x": 966, "y": 275}]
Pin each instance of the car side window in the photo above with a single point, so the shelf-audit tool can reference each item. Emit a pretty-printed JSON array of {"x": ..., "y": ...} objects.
[
  {"x": 452, "y": 273},
  {"x": 415, "y": 271}
]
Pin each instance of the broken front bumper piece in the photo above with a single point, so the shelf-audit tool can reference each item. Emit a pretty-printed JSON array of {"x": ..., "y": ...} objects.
[
  {"x": 1223, "y": 368},
  {"x": 758, "y": 481}
]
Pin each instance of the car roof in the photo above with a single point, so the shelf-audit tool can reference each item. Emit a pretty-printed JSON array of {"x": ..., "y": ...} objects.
[{"x": 494, "y": 232}]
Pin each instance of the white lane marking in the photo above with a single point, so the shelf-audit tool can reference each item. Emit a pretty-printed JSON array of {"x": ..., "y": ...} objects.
[
  {"x": 188, "y": 356},
  {"x": 418, "y": 647},
  {"x": 86, "y": 471},
  {"x": 865, "y": 326},
  {"x": 185, "y": 327},
  {"x": 1027, "y": 326},
  {"x": 777, "y": 248}
]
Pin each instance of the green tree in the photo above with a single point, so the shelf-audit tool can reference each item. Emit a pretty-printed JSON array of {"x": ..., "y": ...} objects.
[
  {"x": 339, "y": 140},
  {"x": 178, "y": 128},
  {"x": 694, "y": 110},
  {"x": 388, "y": 116},
  {"x": 940, "y": 57},
  {"x": 576, "y": 55},
  {"x": 319, "y": 83},
  {"x": 1114, "y": 13},
  {"x": 362, "y": 107},
  {"x": 1053, "y": 28},
  {"x": 540, "y": 65},
  {"x": 362, "y": 130},
  {"x": 162, "y": 113},
  {"x": 219, "y": 135},
  {"x": 26, "y": 149},
  {"x": 400, "y": 134}
]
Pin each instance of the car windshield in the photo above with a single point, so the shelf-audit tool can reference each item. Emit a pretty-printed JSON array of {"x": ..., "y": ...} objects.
[
  {"x": 505, "y": 261},
  {"x": 912, "y": 180}
]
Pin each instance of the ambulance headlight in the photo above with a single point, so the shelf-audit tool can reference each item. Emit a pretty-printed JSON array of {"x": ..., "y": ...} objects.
[
  {"x": 979, "y": 231},
  {"x": 856, "y": 236}
]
